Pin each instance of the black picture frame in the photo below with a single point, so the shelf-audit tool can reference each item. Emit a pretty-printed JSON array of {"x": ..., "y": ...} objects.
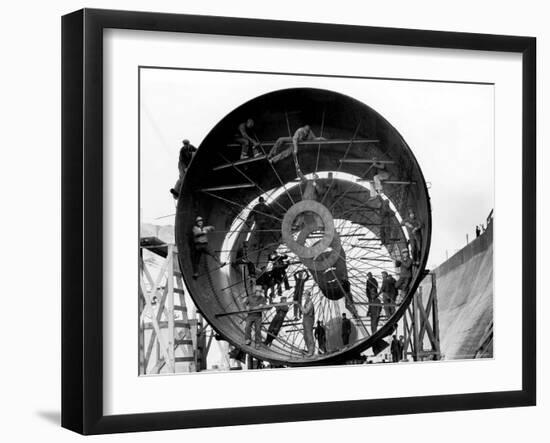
[{"x": 82, "y": 220}]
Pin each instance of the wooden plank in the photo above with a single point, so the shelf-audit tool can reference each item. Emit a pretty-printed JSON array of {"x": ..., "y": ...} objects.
[
  {"x": 185, "y": 333},
  {"x": 258, "y": 309},
  {"x": 425, "y": 322},
  {"x": 158, "y": 367},
  {"x": 164, "y": 324},
  {"x": 387, "y": 182},
  {"x": 316, "y": 142},
  {"x": 228, "y": 187},
  {"x": 240, "y": 162},
  {"x": 366, "y": 161},
  {"x": 376, "y": 259}
]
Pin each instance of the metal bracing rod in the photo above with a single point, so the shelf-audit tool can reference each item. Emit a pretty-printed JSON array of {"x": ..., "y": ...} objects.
[
  {"x": 370, "y": 265},
  {"x": 243, "y": 206},
  {"x": 340, "y": 165},
  {"x": 319, "y": 144},
  {"x": 228, "y": 187},
  {"x": 363, "y": 214},
  {"x": 323, "y": 306},
  {"x": 244, "y": 161},
  {"x": 360, "y": 261},
  {"x": 351, "y": 230},
  {"x": 361, "y": 207},
  {"x": 294, "y": 155},
  {"x": 377, "y": 257},
  {"x": 354, "y": 253},
  {"x": 341, "y": 196},
  {"x": 283, "y": 185},
  {"x": 365, "y": 206},
  {"x": 344, "y": 292},
  {"x": 253, "y": 183}
]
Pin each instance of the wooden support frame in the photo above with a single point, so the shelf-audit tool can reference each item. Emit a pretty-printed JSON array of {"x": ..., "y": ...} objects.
[
  {"x": 419, "y": 329},
  {"x": 172, "y": 338}
]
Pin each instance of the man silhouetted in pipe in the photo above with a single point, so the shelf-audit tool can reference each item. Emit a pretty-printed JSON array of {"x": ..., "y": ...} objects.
[
  {"x": 405, "y": 273},
  {"x": 254, "y": 317},
  {"x": 346, "y": 329},
  {"x": 300, "y": 278},
  {"x": 401, "y": 347},
  {"x": 380, "y": 175},
  {"x": 280, "y": 264},
  {"x": 248, "y": 269},
  {"x": 372, "y": 295},
  {"x": 276, "y": 322},
  {"x": 386, "y": 215},
  {"x": 415, "y": 235},
  {"x": 261, "y": 215},
  {"x": 395, "y": 349},
  {"x": 388, "y": 292},
  {"x": 308, "y": 319},
  {"x": 187, "y": 152},
  {"x": 245, "y": 140},
  {"x": 321, "y": 336},
  {"x": 200, "y": 242}
]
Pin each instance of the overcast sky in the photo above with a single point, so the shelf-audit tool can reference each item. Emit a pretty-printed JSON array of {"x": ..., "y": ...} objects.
[{"x": 449, "y": 128}]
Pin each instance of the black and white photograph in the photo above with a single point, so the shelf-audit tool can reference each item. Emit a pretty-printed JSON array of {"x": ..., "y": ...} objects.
[
  {"x": 289, "y": 220},
  {"x": 275, "y": 221}
]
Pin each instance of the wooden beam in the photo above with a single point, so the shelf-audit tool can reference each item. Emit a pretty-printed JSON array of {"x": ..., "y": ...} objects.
[
  {"x": 388, "y": 182},
  {"x": 258, "y": 309},
  {"x": 367, "y": 161},
  {"x": 228, "y": 187},
  {"x": 160, "y": 339},
  {"x": 164, "y": 324},
  {"x": 170, "y": 308},
  {"x": 317, "y": 142},
  {"x": 244, "y": 161}
]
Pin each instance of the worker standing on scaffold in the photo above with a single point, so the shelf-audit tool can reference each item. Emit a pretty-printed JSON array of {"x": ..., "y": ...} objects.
[
  {"x": 253, "y": 303},
  {"x": 300, "y": 278},
  {"x": 415, "y": 235},
  {"x": 277, "y": 321},
  {"x": 200, "y": 241},
  {"x": 388, "y": 293},
  {"x": 372, "y": 295},
  {"x": 346, "y": 329},
  {"x": 302, "y": 134},
  {"x": 380, "y": 175},
  {"x": 321, "y": 336},
  {"x": 187, "y": 152},
  {"x": 308, "y": 319},
  {"x": 245, "y": 140},
  {"x": 405, "y": 273}
]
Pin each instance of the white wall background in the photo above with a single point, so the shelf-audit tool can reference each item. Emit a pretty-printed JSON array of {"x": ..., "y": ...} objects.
[{"x": 30, "y": 190}]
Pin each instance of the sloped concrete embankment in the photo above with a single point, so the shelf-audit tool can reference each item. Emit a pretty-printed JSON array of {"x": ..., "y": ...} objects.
[{"x": 465, "y": 298}]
